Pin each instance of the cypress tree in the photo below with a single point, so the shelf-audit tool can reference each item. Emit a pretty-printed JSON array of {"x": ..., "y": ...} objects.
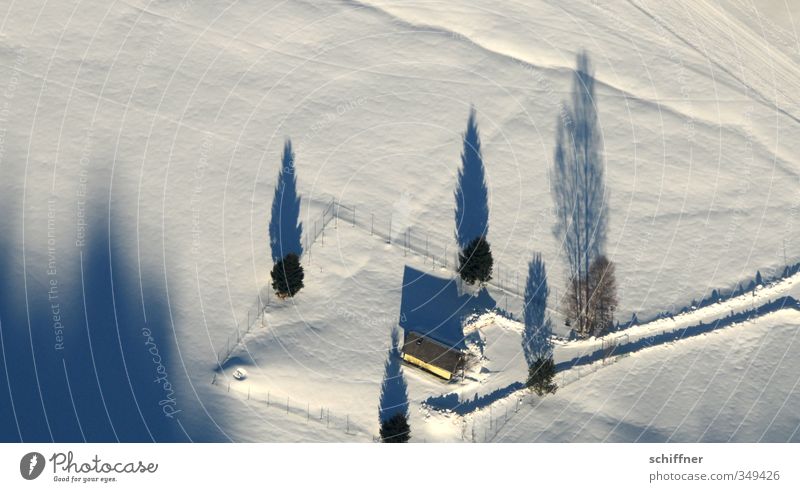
[
  {"x": 540, "y": 376},
  {"x": 287, "y": 276},
  {"x": 475, "y": 261},
  {"x": 396, "y": 429}
]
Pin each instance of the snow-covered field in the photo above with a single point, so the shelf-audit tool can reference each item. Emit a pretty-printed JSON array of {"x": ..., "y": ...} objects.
[
  {"x": 160, "y": 123},
  {"x": 727, "y": 386}
]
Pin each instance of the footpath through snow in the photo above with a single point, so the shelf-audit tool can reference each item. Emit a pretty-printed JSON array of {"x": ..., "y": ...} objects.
[{"x": 571, "y": 355}]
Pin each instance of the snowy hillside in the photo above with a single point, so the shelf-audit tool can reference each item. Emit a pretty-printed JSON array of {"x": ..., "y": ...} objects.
[{"x": 146, "y": 136}]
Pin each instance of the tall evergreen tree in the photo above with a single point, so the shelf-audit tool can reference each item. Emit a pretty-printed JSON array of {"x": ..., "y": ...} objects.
[
  {"x": 536, "y": 343},
  {"x": 541, "y": 376},
  {"x": 287, "y": 276},
  {"x": 285, "y": 228},
  {"x": 472, "y": 209},
  {"x": 395, "y": 429},
  {"x": 393, "y": 407},
  {"x": 475, "y": 261}
]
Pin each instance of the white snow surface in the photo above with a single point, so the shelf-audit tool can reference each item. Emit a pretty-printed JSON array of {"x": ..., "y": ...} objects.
[
  {"x": 727, "y": 386},
  {"x": 180, "y": 109}
]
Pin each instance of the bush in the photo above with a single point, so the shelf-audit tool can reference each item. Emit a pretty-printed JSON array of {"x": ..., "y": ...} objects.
[
  {"x": 395, "y": 429},
  {"x": 540, "y": 376},
  {"x": 287, "y": 276},
  {"x": 475, "y": 261}
]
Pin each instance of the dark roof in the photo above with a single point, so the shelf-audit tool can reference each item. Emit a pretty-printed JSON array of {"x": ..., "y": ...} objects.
[
  {"x": 433, "y": 307},
  {"x": 432, "y": 352}
]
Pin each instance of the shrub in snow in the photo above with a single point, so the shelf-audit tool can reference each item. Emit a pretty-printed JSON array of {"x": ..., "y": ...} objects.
[
  {"x": 475, "y": 262},
  {"x": 540, "y": 376},
  {"x": 287, "y": 276}
]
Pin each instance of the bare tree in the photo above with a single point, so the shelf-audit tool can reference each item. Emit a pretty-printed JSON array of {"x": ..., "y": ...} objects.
[
  {"x": 603, "y": 301},
  {"x": 579, "y": 193}
]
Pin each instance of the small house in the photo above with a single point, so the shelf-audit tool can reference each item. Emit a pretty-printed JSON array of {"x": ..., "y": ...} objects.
[
  {"x": 431, "y": 313},
  {"x": 433, "y": 356}
]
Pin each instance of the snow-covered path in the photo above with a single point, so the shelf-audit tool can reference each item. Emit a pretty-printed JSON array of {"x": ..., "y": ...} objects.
[{"x": 504, "y": 390}]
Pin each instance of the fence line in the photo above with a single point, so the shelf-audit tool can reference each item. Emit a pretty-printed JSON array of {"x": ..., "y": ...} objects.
[
  {"x": 316, "y": 229},
  {"x": 316, "y": 414},
  {"x": 618, "y": 347},
  {"x": 255, "y": 316},
  {"x": 438, "y": 251},
  {"x": 255, "y": 313},
  {"x": 432, "y": 246},
  {"x": 486, "y": 424}
]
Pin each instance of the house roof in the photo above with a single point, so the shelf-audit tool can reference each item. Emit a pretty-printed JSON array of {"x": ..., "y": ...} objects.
[{"x": 425, "y": 351}]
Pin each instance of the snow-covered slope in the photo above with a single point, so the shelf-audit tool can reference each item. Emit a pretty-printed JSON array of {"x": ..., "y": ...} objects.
[
  {"x": 729, "y": 385},
  {"x": 167, "y": 119}
]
